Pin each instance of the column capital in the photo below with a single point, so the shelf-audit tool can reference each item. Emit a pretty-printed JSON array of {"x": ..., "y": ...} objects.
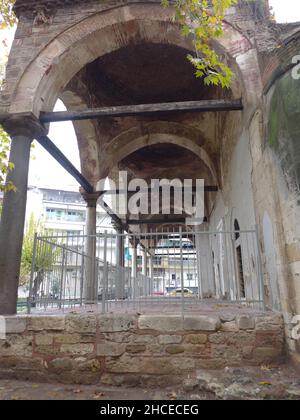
[
  {"x": 118, "y": 226},
  {"x": 23, "y": 124},
  {"x": 134, "y": 242},
  {"x": 90, "y": 198}
]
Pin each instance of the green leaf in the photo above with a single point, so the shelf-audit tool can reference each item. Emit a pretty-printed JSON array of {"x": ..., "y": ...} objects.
[{"x": 203, "y": 21}]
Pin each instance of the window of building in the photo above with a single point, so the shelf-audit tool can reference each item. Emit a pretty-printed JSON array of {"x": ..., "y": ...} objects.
[
  {"x": 53, "y": 214},
  {"x": 73, "y": 233},
  {"x": 74, "y": 216}
]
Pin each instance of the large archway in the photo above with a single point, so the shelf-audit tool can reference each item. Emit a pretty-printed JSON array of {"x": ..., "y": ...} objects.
[
  {"x": 72, "y": 50},
  {"x": 128, "y": 55}
]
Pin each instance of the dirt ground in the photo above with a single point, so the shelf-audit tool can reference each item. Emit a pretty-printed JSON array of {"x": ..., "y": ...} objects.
[{"x": 249, "y": 383}]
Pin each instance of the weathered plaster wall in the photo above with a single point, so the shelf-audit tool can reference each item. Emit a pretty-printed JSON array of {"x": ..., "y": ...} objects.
[
  {"x": 283, "y": 149},
  {"x": 235, "y": 201},
  {"x": 136, "y": 348},
  {"x": 237, "y": 187},
  {"x": 275, "y": 185}
]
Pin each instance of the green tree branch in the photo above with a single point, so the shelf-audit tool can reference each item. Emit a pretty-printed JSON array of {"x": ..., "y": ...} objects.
[{"x": 203, "y": 20}]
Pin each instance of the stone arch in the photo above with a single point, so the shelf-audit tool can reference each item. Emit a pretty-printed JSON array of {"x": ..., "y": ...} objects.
[
  {"x": 155, "y": 133},
  {"x": 282, "y": 61},
  {"x": 86, "y": 135},
  {"x": 43, "y": 79}
]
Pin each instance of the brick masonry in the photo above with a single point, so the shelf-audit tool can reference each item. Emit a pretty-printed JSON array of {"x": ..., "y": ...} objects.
[{"x": 113, "y": 349}]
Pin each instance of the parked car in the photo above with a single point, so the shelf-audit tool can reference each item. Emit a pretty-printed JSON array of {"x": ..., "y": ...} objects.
[{"x": 178, "y": 293}]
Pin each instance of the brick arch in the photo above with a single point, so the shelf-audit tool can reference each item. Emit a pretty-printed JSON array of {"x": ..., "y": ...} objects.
[
  {"x": 155, "y": 133},
  {"x": 48, "y": 74},
  {"x": 163, "y": 132},
  {"x": 86, "y": 134}
]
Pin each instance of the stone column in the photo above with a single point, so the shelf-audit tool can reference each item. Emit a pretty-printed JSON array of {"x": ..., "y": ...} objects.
[
  {"x": 151, "y": 274},
  {"x": 144, "y": 262},
  {"x": 134, "y": 269},
  {"x": 22, "y": 130},
  {"x": 134, "y": 261},
  {"x": 120, "y": 279},
  {"x": 204, "y": 262},
  {"x": 151, "y": 267},
  {"x": 91, "y": 275},
  {"x": 119, "y": 246}
]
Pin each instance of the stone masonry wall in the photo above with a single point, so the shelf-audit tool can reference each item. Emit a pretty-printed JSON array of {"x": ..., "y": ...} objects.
[{"x": 136, "y": 349}]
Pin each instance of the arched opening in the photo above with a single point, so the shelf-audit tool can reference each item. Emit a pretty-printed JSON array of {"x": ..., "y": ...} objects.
[
  {"x": 142, "y": 60},
  {"x": 239, "y": 261},
  {"x": 79, "y": 45},
  {"x": 129, "y": 55},
  {"x": 175, "y": 263},
  {"x": 173, "y": 166},
  {"x": 60, "y": 179}
]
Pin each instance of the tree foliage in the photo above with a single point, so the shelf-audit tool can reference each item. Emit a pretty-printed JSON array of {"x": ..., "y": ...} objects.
[
  {"x": 5, "y": 166},
  {"x": 203, "y": 20},
  {"x": 45, "y": 257},
  {"x": 7, "y": 16}
]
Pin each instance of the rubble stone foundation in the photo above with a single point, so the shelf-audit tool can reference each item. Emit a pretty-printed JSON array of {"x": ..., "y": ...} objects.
[{"x": 114, "y": 349}]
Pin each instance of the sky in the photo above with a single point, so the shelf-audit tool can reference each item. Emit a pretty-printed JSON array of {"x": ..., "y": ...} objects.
[
  {"x": 286, "y": 10},
  {"x": 44, "y": 171}
]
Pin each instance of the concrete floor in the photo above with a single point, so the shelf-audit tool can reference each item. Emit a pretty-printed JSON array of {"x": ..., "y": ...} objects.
[{"x": 160, "y": 305}]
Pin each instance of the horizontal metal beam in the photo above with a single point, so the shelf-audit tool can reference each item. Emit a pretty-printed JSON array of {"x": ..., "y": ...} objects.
[
  {"x": 144, "y": 110},
  {"x": 159, "y": 221},
  {"x": 64, "y": 162},
  {"x": 174, "y": 254},
  {"x": 207, "y": 188}
]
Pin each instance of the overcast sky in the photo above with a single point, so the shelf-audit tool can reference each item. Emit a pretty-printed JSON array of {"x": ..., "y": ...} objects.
[
  {"x": 44, "y": 170},
  {"x": 286, "y": 10}
]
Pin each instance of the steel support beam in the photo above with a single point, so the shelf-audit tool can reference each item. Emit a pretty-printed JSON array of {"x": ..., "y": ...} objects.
[
  {"x": 70, "y": 168},
  {"x": 144, "y": 110},
  {"x": 158, "y": 221},
  {"x": 207, "y": 188},
  {"x": 64, "y": 162},
  {"x": 116, "y": 219}
]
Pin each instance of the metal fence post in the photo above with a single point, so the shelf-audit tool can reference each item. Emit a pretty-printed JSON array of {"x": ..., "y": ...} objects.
[
  {"x": 82, "y": 279},
  {"x": 96, "y": 276},
  {"x": 181, "y": 272},
  {"x": 62, "y": 278},
  {"x": 29, "y": 300}
]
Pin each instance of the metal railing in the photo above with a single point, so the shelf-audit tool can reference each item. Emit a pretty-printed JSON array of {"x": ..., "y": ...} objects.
[{"x": 166, "y": 270}]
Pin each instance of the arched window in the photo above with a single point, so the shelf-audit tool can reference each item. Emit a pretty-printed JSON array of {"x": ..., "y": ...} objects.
[
  {"x": 239, "y": 260},
  {"x": 236, "y": 229}
]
